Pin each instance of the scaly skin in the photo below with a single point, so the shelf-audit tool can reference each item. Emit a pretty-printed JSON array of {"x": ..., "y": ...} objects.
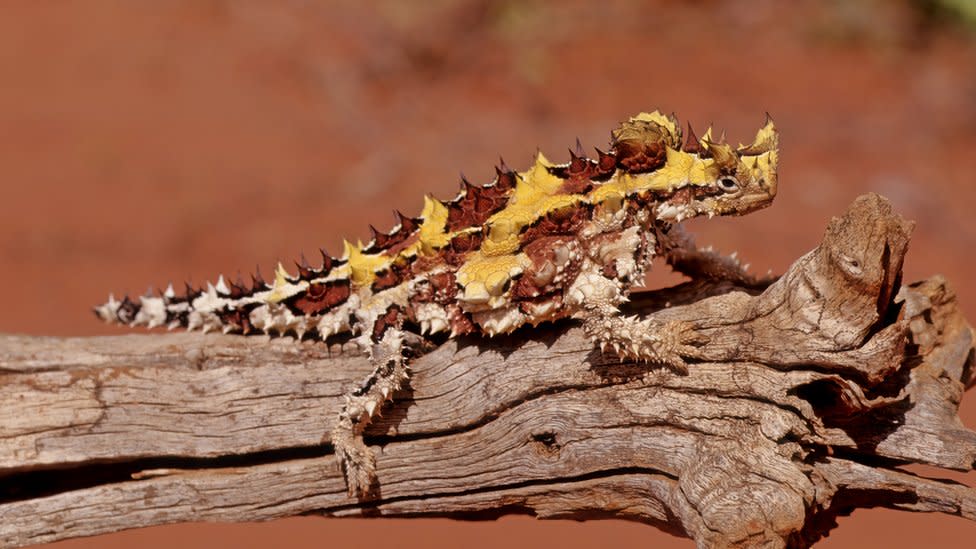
[{"x": 555, "y": 241}]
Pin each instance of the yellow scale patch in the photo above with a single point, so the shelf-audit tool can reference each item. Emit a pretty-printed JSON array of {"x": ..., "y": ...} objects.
[{"x": 361, "y": 268}]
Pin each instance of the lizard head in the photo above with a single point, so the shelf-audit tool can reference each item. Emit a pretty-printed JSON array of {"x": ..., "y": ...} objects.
[
  {"x": 702, "y": 176},
  {"x": 736, "y": 181}
]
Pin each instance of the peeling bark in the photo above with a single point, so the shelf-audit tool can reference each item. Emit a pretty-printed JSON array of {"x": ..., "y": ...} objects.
[{"x": 811, "y": 394}]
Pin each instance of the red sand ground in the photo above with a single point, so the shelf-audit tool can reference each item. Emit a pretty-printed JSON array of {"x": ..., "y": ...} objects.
[{"x": 147, "y": 142}]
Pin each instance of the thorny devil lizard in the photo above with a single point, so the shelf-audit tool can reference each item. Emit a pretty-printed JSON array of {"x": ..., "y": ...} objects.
[{"x": 555, "y": 241}]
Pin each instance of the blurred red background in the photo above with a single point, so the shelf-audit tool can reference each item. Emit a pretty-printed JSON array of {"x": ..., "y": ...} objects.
[{"x": 144, "y": 142}]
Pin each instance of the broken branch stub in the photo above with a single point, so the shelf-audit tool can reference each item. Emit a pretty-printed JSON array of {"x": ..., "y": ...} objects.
[{"x": 808, "y": 397}]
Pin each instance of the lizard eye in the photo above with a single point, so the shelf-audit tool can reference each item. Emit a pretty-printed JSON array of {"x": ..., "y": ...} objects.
[{"x": 728, "y": 184}]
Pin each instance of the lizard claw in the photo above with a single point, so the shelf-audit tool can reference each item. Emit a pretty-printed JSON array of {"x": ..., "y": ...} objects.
[
  {"x": 680, "y": 340},
  {"x": 687, "y": 339}
]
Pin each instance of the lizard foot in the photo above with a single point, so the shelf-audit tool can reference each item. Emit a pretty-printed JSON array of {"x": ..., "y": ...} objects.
[
  {"x": 668, "y": 343},
  {"x": 356, "y": 460}
]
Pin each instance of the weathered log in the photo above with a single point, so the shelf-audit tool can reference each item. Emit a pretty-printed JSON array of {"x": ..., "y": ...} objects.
[{"x": 810, "y": 395}]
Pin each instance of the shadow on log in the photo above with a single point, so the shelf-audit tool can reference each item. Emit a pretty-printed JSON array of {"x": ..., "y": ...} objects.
[{"x": 812, "y": 394}]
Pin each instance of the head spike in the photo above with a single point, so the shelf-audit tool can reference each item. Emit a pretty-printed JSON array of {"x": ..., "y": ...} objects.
[
  {"x": 766, "y": 140},
  {"x": 705, "y": 142},
  {"x": 691, "y": 144},
  {"x": 541, "y": 160},
  {"x": 577, "y": 162},
  {"x": 725, "y": 157},
  {"x": 707, "y": 136}
]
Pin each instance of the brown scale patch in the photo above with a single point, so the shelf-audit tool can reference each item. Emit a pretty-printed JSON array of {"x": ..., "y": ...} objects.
[
  {"x": 505, "y": 179},
  {"x": 640, "y": 157},
  {"x": 577, "y": 175},
  {"x": 395, "y": 239},
  {"x": 641, "y": 145},
  {"x": 319, "y": 297},
  {"x": 679, "y": 197},
  {"x": 423, "y": 264},
  {"x": 564, "y": 221},
  {"x": 387, "y": 278},
  {"x": 239, "y": 318},
  {"x": 640, "y": 201},
  {"x": 606, "y": 165},
  {"x": 684, "y": 195},
  {"x": 460, "y": 321},
  {"x": 327, "y": 261},
  {"x": 395, "y": 250},
  {"x": 542, "y": 252},
  {"x": 525, "y": 289},
  {"x": 305, "y": 271},
  {"x": 257, "y": 283},
  {"x": 460, "y": 246},
  {"x": 238, "y": 289},
  {"x": 392, "y": 318},
  {"x": 390, "y": 276},
  {"x": 127, "y": 310},
  {"x": 438, "y": 288},
  {"x": 183, "y": 317},
  {"x": 575, "y": 185},
  {"x": 476, "y": 206},
  {"x": 444, "y": 286}
]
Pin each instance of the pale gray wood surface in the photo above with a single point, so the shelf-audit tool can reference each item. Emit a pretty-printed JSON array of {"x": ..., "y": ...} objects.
[{"x": 807, "y": 398}]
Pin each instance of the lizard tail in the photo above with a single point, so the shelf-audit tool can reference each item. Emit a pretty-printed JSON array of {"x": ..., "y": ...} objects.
[{"x": 215, "y": 307}]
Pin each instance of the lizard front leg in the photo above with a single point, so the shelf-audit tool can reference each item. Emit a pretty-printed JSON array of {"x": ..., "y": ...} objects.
[
  {"x": 390, "y": 371},
  {"x": 597, "y": 299}
]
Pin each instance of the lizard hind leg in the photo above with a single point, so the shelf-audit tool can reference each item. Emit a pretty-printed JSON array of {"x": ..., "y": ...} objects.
[{"x": 356, "y": 460}]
